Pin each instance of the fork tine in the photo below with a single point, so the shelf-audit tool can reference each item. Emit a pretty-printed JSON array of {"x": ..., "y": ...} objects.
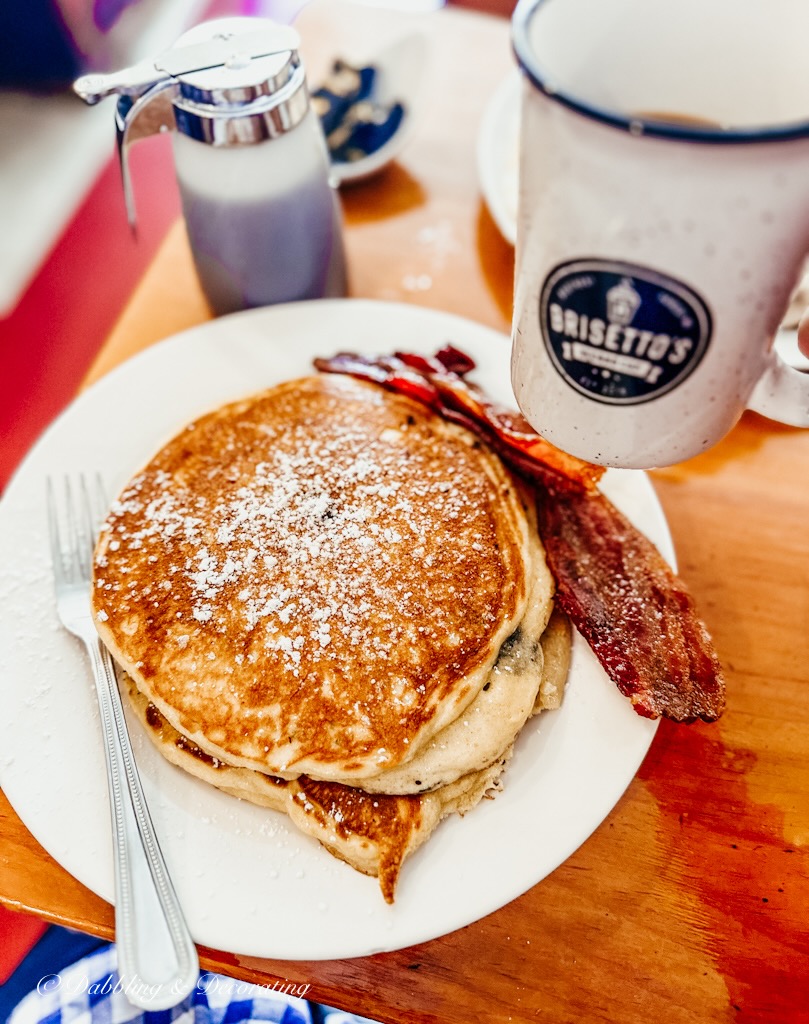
[
  {"x": 72, "y": 547},
  {"x": 89, "y": 526},
  {"x": 101, "y": 500},
  {"x": 73, "y": 540},
  {"x": 57, "y": 556}
]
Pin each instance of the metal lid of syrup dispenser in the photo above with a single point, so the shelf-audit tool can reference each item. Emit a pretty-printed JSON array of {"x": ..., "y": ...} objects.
[
  {"x": 247, "y": 98},
  {"x": 231, "y": 81}
]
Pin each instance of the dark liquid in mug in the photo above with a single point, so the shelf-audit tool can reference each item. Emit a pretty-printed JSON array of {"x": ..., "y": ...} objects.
[{"x": 667, "y": 117}]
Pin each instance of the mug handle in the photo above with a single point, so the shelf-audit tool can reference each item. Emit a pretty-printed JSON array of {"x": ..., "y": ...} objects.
[{"x": 782, "y": 393}]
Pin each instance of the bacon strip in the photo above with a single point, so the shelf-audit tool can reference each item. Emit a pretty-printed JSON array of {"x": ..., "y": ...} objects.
[
  {"x": 633, "y": 611},
  {"x": 439, "y": 382},
  {"x": 635, "y": 614}
]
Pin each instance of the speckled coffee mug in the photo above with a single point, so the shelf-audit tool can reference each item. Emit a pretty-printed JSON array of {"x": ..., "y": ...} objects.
[{"x": 663, "y": 220}]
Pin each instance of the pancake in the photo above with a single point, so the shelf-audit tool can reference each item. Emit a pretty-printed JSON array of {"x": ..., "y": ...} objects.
[
  {"x": 556, "y": 644},
  {"x": 317, "y": 580},
  {"x": 519, "y": 685},
  {"x": 372, "y": 833},
  {"x": 335, "y": 604}
]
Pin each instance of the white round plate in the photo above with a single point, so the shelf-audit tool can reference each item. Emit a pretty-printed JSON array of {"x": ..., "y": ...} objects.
[
  {"x": 250, "y": 884},
  {"x": 498, "y": 155}
]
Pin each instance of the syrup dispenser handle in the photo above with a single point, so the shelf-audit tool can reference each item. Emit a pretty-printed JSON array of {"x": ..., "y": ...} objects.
[
  {"x": 135, "y": 119},
  {"x": 132, "y": 81},
  {"x": 144, "y": 91}
]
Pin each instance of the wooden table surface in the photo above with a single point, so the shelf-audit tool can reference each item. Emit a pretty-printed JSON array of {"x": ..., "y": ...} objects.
[{"x": 691, "y": 902}]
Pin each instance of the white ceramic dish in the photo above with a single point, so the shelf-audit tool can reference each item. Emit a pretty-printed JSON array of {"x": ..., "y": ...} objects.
[
  {"x": 249, "y": 883},
  {"x": 400, "y": 70},
  {"x": 498, "y": 155},
  {"x": 786, "y": 344}
]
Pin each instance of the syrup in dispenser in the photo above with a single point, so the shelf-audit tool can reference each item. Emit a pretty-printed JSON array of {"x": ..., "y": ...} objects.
[{"x": 263, "y": 219}]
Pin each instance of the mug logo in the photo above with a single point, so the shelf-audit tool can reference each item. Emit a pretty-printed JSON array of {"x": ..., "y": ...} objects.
[{"x": 619, "y": 333}]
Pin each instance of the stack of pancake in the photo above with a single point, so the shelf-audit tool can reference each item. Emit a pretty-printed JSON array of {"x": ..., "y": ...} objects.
[{"x": 328, "y": 600}]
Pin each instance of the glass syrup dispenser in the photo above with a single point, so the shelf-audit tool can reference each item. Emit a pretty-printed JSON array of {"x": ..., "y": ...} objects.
[{"x": 263, "y": 220}]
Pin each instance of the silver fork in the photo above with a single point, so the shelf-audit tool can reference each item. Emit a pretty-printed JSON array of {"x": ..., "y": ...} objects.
[{"x": 157, "y": 959}]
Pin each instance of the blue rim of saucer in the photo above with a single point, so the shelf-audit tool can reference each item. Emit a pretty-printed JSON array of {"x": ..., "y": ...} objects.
[{"x": 638, "y": 127}]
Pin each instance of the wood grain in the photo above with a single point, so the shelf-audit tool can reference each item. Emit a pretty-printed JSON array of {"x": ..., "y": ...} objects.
[{"x": 690, "y": 903}]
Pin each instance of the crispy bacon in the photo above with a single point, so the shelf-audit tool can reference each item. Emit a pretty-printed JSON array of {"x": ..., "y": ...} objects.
[
  {"x": 633, "y": 611},
  {"x": 635, "y": 614},
  {"x": 439, "y": 382}
]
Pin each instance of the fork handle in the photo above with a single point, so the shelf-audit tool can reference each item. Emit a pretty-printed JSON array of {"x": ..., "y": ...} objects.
[{"x": 157, "y": 959}]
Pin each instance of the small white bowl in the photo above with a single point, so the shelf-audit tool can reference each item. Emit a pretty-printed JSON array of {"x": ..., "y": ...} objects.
[{"x": 400, "y": 70}]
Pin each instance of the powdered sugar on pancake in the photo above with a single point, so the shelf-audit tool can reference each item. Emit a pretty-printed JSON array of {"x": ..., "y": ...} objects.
[{"x": 314, "y": 580}]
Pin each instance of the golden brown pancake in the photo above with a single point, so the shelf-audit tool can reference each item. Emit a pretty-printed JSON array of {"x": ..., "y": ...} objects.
[
  {"x": 373, "y": 833},
  {"x": 314, "y": 581},
  {"x": 511, "y": 694}
]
